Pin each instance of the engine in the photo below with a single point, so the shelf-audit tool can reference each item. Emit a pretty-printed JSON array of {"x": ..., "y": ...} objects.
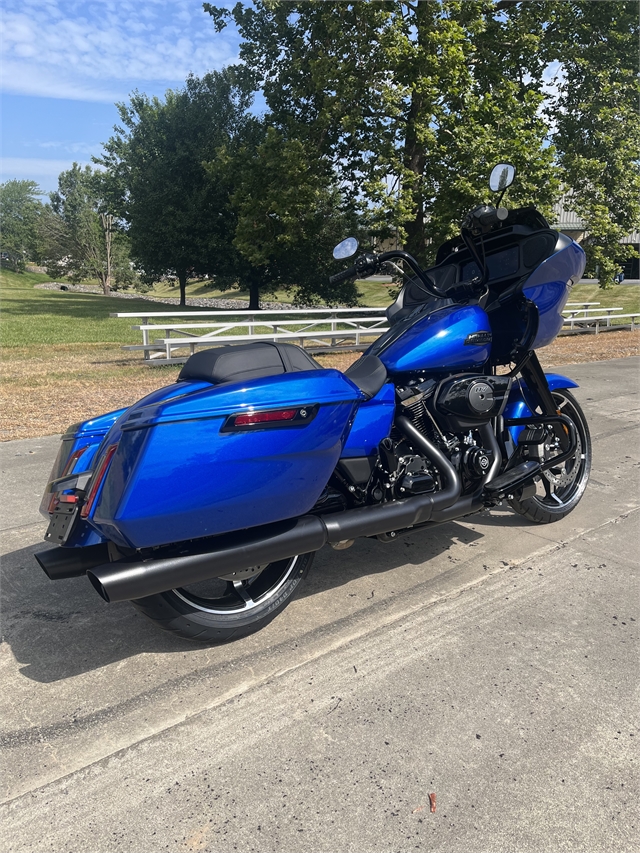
[
  {"x": 449, "y": 413},
  {"x": 465, "y": 402}
]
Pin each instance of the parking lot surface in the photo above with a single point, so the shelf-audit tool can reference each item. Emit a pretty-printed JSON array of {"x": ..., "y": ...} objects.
[{"x": 492, "y": 662}]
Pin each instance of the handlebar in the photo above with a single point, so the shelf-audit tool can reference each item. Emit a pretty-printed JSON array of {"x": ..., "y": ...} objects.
[
  {"x": 368, "y": 264},
  {"x": 484, "y": 217},
  {"x": 344, "y": 275},
  {"x": 479, "y": 220},
  {"x": 466, "y": 289}
]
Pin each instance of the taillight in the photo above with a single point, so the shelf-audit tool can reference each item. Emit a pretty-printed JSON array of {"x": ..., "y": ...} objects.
[
  {"x": 264, "y": 417},
  {"x": 97, "y": 479},
  {"x": 56, "y": 497},
  {"x": 298, "y": 416}
]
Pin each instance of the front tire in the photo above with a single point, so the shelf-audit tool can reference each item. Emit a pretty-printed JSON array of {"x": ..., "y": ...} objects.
[
  {"x": 223, "y": 609},
  {"x": 560, "y": 488}
]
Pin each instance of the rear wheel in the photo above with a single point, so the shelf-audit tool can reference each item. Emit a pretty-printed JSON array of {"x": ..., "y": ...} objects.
[
  {"x": 560, "y": 488},
  {"x": 224, "y": 609}
]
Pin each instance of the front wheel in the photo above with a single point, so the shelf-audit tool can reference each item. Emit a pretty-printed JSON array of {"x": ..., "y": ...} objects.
[
  {"x": 224, "y": 609},
  {"x": 560, "y": 488}
]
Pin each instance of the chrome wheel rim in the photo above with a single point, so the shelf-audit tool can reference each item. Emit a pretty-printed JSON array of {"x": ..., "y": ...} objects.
[
  {"x": 235, "y": 595},
  {"x": 561, "y": 484}
]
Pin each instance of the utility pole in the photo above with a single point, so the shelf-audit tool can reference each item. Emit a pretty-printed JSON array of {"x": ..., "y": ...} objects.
[{"x": 107, "y": 223}]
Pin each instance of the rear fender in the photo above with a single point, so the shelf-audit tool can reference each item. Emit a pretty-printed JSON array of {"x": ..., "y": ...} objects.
[
  {"x": 84, "y": 444},
  {"x": 78, "y": 449}
]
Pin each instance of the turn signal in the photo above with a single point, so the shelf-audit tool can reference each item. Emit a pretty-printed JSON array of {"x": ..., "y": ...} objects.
[
  {"x": 56, "y": 497},
  {"x": 97, "y": 480}
]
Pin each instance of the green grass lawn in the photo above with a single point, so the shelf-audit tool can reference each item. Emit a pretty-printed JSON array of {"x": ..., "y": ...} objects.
[
  {"x": 625, "y": 296},
  {"x": 31, "y": 316},
  {"x": 372, "y": 293},
  {"x": 202, "y": 289}
]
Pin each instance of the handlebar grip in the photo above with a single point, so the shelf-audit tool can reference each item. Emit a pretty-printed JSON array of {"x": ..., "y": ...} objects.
[
  {"x": 342, "y": 276},
  {"x": 465, "y": 290},
  {"x": 489, "y": 217}
]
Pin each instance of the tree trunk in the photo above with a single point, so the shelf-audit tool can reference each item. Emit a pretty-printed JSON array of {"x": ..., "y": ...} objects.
[
  {"x": 414, "y": 158},
  {"x": 414, "y": 153},
  {"x": 254, "y": 293},
  {"x": 107, "y": 223},
  {"x": 182, "y": 278}
]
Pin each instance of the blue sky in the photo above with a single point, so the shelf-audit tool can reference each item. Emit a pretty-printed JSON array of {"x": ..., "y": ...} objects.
[{"x": 66, "y": 63}]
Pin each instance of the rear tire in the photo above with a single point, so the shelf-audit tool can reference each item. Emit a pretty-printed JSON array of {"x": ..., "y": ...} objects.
[
  {"x": 224, "y": 609},
  {"x": 559, "y": 489}
]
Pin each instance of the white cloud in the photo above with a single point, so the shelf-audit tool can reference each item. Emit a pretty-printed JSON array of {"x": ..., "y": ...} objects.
[
  {"x": 85, "y": 149},
  {"x": 21, "y": 78},
  {"x": 44, "y": 172},
  {"x": 101, "y": 51}
]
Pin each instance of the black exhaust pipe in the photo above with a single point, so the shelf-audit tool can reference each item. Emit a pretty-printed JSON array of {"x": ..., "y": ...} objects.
[
  {"x": 126, "y": 580},
  {"x": 58, "y": 563},
  {"x": 469, "y": 504}
]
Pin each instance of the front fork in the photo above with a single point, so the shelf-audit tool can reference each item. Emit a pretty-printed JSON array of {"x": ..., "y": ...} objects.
[
  {"x": 538, "y": 398},
  {"x": 537, "y": 384}
]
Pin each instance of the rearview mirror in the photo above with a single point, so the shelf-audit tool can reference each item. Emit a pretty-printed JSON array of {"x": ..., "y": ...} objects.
[
  {"x": 501, "y": 177},
  {"x": 346, "y": 249}
]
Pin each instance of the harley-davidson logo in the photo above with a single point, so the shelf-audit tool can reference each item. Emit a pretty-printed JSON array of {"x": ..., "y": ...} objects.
[{"x": 478, "y": 339}]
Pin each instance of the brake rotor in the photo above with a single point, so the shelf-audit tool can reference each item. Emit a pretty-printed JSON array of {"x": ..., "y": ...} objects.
[
  {"x": 563, "y": 475},
  {"x": 243, "y": 574}
]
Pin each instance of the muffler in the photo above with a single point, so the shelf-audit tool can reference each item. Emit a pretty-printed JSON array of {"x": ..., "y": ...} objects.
[
  {"x": 58, "y": 563},
  {"x": 128, "y": 579}
]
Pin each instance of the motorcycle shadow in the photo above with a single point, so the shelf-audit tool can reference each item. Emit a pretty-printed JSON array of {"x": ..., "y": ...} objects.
[
  {"x": 368, "y": 561},
  {"x": 61, "y": 629}
]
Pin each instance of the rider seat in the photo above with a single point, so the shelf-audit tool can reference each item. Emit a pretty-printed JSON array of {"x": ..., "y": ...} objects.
[
  {"x": 253, "y": 361},
  {"x": 245, "y": 362}
]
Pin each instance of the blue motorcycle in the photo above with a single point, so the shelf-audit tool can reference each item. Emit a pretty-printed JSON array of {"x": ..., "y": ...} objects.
[{"x": 203, "y": 504}]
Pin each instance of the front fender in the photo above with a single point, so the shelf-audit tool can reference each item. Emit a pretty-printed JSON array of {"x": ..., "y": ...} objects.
[
  {"x": 557, "y": 380},
  {"x": 517, "y": 406}
]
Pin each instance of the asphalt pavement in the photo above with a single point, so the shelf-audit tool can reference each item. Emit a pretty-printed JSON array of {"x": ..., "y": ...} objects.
[{"x": 491, "y": 662}]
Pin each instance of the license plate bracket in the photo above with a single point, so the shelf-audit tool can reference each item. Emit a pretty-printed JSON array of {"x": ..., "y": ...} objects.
[{"x": 61, "y": 524}]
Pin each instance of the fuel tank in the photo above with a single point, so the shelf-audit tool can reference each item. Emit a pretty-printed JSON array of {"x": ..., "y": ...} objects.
[{"x": 453, "y": 337}]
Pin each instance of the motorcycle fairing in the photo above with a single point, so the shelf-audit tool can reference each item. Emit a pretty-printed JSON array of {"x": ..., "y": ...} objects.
[{"x": 549, "y": 286}]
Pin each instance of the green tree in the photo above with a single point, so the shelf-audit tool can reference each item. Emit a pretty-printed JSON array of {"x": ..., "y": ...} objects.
[
  {"x": 411, "y": 102},
  {"x": 206, "y": 188},
  {"x": 179, "y": 221},
  {"x": 289, "y": 216},
  {"x": 598, "y": 123},
  {"x": 20, "y": 209},
  {"x": 71, "y": 229}
]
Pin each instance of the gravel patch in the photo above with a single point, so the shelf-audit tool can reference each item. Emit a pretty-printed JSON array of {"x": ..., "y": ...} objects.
[{"x": 197, "y": 301}]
